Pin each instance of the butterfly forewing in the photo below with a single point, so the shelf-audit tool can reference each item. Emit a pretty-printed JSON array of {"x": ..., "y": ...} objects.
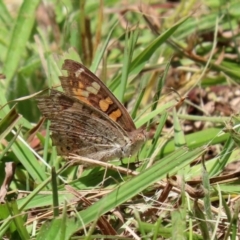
[{"x": 84, "y": 85}]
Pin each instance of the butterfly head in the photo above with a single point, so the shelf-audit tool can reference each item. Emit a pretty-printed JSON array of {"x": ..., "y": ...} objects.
[{"x": 135, "y": 141}]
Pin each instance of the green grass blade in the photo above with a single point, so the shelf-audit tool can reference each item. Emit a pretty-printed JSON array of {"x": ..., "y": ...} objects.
[
  {"x": 8, "y": 122},
  {"x": 140, "y": 60},
  {"x": 130, "y": 44},
  {"x": 179, "y": 138},
  {"x": 20, "y": 35},
  {"x": 5, "y": 15},
  {"x": 161, "y": 124},
  {"x": 100, "y": 51},
  {"x": 138, "y": 63},
  {"x": 18, "y": 221}
]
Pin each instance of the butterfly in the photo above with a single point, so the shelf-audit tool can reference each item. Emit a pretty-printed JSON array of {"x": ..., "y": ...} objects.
[{"x": 87, "y": 119}]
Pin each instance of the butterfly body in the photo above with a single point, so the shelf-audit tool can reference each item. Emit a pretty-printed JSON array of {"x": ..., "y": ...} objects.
[{"x": 87, "y": 119}]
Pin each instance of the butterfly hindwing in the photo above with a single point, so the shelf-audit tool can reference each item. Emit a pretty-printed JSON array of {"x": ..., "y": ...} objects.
[{"x": 79, "y": 128}]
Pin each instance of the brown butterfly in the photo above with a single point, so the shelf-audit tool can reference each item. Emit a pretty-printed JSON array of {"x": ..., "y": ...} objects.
[{"x": 87, "y": 119}]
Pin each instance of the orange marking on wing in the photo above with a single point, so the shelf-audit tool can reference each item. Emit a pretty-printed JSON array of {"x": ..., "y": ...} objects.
[
  {"x": 78, "y": 95},
  {"x": 81, "y": 85},
  {"x": 115, "y": 115},
  {"x": 80, "y": 92},
  {"x": 84, "y": 99},
  {"x": 104, "y": 104},
  {"x": 109, "y": 100}
]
